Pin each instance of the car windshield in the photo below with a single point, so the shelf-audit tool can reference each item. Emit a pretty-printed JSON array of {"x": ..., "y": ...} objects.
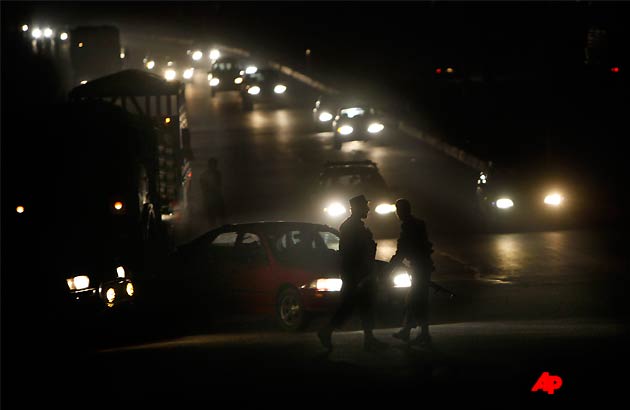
[
  {"x": 367, "y": 179},
  {"x": 352, "y": 112}
]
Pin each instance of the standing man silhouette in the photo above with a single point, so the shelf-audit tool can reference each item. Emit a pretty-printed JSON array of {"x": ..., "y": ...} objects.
[
  {"x": 357, "y": 249},
  {"x": 414, "y": 245}
]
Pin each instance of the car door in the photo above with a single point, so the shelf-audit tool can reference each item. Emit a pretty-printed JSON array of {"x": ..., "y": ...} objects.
[
  {"x": 251, "y": 283},
  {"x": 213, "y": 278}
]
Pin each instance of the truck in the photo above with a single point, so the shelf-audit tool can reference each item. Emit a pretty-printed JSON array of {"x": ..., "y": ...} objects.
[{"x": 109, "y": 180}]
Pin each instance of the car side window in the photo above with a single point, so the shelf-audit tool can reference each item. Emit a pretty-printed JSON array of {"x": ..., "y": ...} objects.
[
  {"x": 330, "y": 240},
  {"x": 225, "y": 240},
  {"x": 250, "y": 249}
]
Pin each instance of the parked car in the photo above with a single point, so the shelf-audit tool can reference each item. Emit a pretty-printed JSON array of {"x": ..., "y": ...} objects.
[{"x": 289, "y": 270}]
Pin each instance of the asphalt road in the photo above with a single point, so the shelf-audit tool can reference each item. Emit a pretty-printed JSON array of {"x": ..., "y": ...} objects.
[{"x": 527, "y": 302}]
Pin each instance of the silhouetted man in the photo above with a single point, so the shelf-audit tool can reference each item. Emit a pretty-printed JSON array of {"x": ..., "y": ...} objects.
[
  {"x": 414, "y": 245},
  {"x": 357, "y": 250},
  {"x": 212, "y": 197}
]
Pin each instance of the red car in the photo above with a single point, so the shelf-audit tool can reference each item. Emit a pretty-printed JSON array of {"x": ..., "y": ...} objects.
[{"x": 286, "y": 269}]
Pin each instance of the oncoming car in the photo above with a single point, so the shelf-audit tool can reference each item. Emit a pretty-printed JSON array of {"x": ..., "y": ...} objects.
[
  {"x": 262, "y": 86},
  {"x": 516, "y": 198},
  {"x": 358, "y": 122},
  {"x": 341, "y": 180},
  {"x": 286, "y": 269},
  {"x": 225, "y": 75}
]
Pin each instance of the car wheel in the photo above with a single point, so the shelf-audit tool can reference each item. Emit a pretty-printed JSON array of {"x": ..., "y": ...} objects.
[{"x": 290, "y": 310}]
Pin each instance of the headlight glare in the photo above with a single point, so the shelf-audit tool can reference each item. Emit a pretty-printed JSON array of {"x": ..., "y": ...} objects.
[
  {"x": 120, "y": 272},
  {"x": 504, "y": 203},
  {"x": 325, "y": 116},
  {"x": 402, "y": 280},
  {"x": 554, "y": 199},
  {"x": 78, "y": 282},
  {"x": 375, "y": 127},
  {"x": 335, "y": 209},
  {"x": 279, "y": 89},
  {"x": 255, "y": 90},
  {"x": 327, "y": 285},
  {"x": 188, "y": 73},
  {"x": 170, "y": 74},
  {"x": 110, "y": 295},
  {"x": 345, "y": 130},
  {"x": 214, "y": 82},
  {"x": 384, "y": 209}
]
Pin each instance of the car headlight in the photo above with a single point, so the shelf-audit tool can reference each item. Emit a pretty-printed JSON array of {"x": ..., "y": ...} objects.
[
  {"x": 554, "y": 199},
  {"x": 384, "y": 209},
  {"x": 327, "y": 285},
  {"x": 255, "y": 90},
  {"x": 402, "y": 280},
  {"x": 345, "y": 130},
  {"x": 188, "y": 73},
  {"x": 238, "y": 80},
  {"x": 150, "y": 64},
  {"x": 197, "y": 55},
  {"x": 78, "y": 282},
  {"x": 120, "y": 272},
  {"x": 170, "y": 74},
  {"x": 279, "y": 89},
  {"x": 375, "y": 127},
  {"x": 335, "y": 209},
  {"x": 504, "y": 203},
  {"x": 214, "y": 82},
  {"x": 110, "y": 295},
  {"x": 214, "y": 54},
  {"x": 325, "y": 116},
  {"x": 251, "y": 69},
  {"x": 130, "y": 289}
]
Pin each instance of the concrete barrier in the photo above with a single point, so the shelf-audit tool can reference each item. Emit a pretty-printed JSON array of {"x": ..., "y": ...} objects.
[{"x": 303, "y": 78}]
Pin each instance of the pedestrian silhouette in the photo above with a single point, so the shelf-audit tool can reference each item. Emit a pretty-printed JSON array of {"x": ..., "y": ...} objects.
[
  {"x": 357, "y": 250},
  {"x": 212, "y": 196},
  {"x": 414, "y": 245}
]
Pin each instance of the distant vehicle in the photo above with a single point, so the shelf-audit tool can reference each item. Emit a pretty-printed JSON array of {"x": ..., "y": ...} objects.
[
  {"x": 356, "y": 122},
  {"x": 324, "y": 111},
  {"x": 289, "y": 270},
  {"x": 226, "y": 74},
  {"x": 527, "y": 198},
  {"x": 173, "y": 71},
  {"x": 263, "y": 86},
  {"x": 95, "y": 51},
  {"x": 340, "y": 181}
]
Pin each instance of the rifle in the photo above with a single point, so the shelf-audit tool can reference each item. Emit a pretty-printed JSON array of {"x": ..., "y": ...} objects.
[{"x": 441, "y": 289}]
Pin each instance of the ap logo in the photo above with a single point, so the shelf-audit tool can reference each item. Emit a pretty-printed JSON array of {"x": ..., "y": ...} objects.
[{"x": 547, "y": 383}]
